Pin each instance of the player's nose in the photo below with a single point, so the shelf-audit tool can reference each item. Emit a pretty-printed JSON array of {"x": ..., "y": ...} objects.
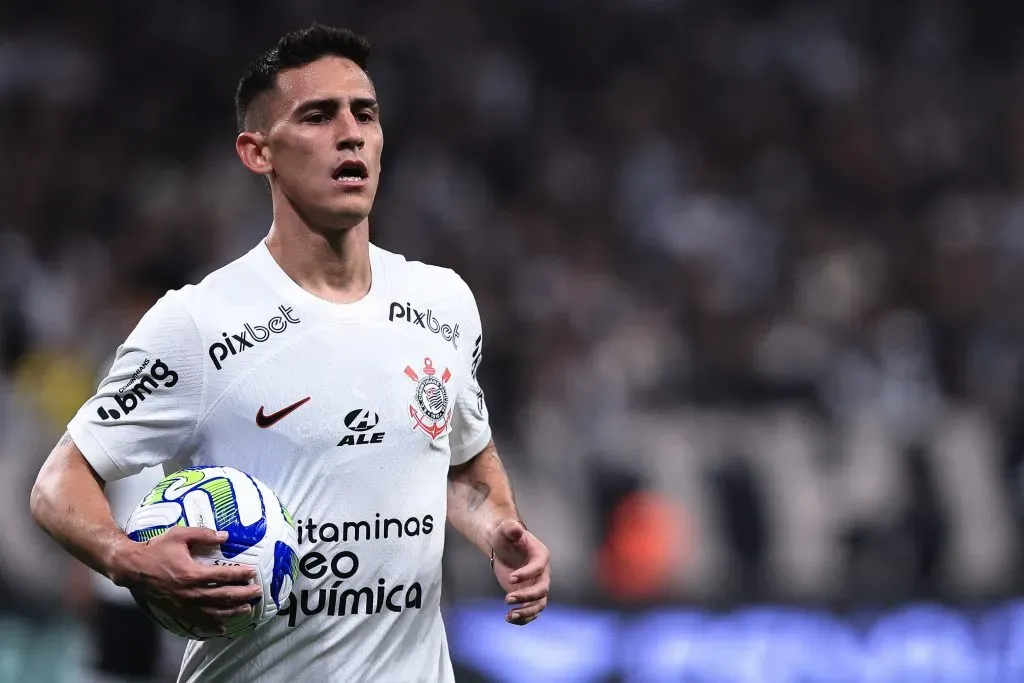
[{"x": 349, "y": 135}]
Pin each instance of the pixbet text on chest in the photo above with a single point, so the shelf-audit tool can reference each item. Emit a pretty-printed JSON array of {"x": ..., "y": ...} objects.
[
  {"x": 234, "y": 344},
  {"x": 424, "y": 319}
]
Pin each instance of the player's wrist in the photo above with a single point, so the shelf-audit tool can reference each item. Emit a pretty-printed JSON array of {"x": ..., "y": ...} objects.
[
  {"x": 514, "y": 518},
  {"x": 487, "y": 524},
  {"x": 510, "y": 518},
  {"x": 120, "y": 564}
]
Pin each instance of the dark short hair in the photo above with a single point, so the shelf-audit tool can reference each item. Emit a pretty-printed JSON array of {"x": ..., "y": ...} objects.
[{"x": 293, "y": 50}]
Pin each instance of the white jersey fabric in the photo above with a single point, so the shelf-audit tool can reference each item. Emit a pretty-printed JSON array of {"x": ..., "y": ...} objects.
[{"x": 351, "y": 413}]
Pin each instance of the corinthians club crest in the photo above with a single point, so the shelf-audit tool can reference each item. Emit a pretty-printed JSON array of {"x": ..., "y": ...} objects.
[{"x": 430, "y": 410}]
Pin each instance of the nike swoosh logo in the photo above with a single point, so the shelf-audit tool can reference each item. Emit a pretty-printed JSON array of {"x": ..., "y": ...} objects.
[{"x": 265, "y": 421}]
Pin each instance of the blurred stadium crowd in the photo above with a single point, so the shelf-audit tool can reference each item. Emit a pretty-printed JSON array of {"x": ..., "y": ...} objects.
[{"x": 748, "y": 270}]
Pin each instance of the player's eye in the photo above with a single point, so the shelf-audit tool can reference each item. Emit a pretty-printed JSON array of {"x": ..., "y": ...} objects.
[
  {"x": 365, "y": 116},
  {"x": 317, "y": 117}
]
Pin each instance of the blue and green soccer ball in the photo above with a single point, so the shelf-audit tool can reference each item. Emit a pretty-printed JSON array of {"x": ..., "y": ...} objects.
[{"x": 261, "y": 534}]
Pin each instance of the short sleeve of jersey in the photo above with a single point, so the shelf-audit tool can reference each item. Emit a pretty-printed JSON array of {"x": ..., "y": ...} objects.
[
  {"x": 471, "y": 428},
  {"x": 147, "y": 407}
]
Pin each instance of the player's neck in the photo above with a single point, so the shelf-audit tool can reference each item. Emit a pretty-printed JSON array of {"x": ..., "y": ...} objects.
[{"x": 333, "y": 267}]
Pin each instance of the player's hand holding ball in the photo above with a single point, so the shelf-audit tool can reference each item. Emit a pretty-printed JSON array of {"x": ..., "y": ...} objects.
[
  {"x": 520, "y": 564},
  {"x": 214, "y": 553},
  {"x": 163, "y": 573}
]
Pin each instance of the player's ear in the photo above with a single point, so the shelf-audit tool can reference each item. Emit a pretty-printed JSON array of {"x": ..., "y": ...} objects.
[{"x": 252, "y": 150}]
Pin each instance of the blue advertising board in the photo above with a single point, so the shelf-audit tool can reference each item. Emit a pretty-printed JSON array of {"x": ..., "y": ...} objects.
[{"x": 916, "y": 643}]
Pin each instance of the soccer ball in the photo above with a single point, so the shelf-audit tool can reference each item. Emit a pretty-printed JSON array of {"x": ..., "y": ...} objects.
[{"x": 261, "y": 533}]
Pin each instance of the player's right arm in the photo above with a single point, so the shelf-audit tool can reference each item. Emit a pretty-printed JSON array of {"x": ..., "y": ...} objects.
[
  {"x": 144, "y": 413},
  {"x": 68, "y": 502}
]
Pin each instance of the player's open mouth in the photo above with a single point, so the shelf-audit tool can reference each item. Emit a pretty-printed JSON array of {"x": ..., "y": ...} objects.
[{"x": 351, "y": 173}]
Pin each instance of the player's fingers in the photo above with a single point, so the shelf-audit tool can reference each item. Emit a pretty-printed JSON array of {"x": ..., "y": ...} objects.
[
  {"x": 528, "y": 593},
  {"x": 212, "y": 620},
  {"x": 524, "y": 614},
  {"x": 197, "y": 536},
  {"x": 532, "y": 570},
  {"x": 217, "y": 616},
  {"x": 527, "y": 608},
  {"x": 223, "y": 575},
  {"x": 227, "y": 597}
]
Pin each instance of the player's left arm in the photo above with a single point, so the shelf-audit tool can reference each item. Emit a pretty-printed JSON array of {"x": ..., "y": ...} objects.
[
  {"x": 481, "y": 503},
  {"x": 481, "y": 506}
]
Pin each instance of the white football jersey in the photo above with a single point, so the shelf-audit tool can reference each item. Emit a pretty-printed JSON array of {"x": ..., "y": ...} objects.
[{"x": 351, "y": 413}]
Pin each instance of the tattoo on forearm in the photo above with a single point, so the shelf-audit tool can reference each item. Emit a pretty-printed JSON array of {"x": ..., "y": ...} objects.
[
  {"x": 472, "y": 486},
  {"x": 480, "y": 492}
]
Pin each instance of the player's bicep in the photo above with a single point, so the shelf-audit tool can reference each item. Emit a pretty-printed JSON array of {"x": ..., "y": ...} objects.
[
  {"x": 64, "y": 481},
  {"x": 67, "y": 460}
]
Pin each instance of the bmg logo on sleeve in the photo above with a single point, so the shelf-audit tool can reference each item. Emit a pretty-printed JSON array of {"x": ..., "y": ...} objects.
[
  {"x": 235, "y": 344},
  {"x": 424, "y": 319},
  {"x": 129, "y": 396}
]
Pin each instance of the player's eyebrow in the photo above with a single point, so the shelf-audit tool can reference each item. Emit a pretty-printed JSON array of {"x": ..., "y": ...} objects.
[
  {"x": 365, "y": 103},
  {"x": 331, "y": 105}
]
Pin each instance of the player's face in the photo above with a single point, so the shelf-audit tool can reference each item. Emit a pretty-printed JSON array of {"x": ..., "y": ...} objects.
[{"x": 324, "y": 141}]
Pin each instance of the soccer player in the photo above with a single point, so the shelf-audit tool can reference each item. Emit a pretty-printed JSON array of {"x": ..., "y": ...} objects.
[{"x": 340, "y": 374}]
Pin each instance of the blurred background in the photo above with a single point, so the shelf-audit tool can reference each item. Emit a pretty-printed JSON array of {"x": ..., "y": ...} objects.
[{"x": 749, "y": 272}]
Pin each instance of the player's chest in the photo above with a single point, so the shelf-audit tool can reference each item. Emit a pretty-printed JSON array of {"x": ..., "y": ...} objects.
[{"x": 345, "y": 393}]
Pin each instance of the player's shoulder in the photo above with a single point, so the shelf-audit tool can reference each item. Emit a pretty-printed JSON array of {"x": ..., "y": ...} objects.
[
  {"x": 235, "y": 283},
  {"x": 411, "y": 277},
  {"x": 233, "y": 293},
  {"x": 229, "y": 296}
]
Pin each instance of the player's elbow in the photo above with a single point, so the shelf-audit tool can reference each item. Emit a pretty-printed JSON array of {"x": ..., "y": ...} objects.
[
  {"x": 61, "y": 477},
  {"x": 40, "y": 499}
]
